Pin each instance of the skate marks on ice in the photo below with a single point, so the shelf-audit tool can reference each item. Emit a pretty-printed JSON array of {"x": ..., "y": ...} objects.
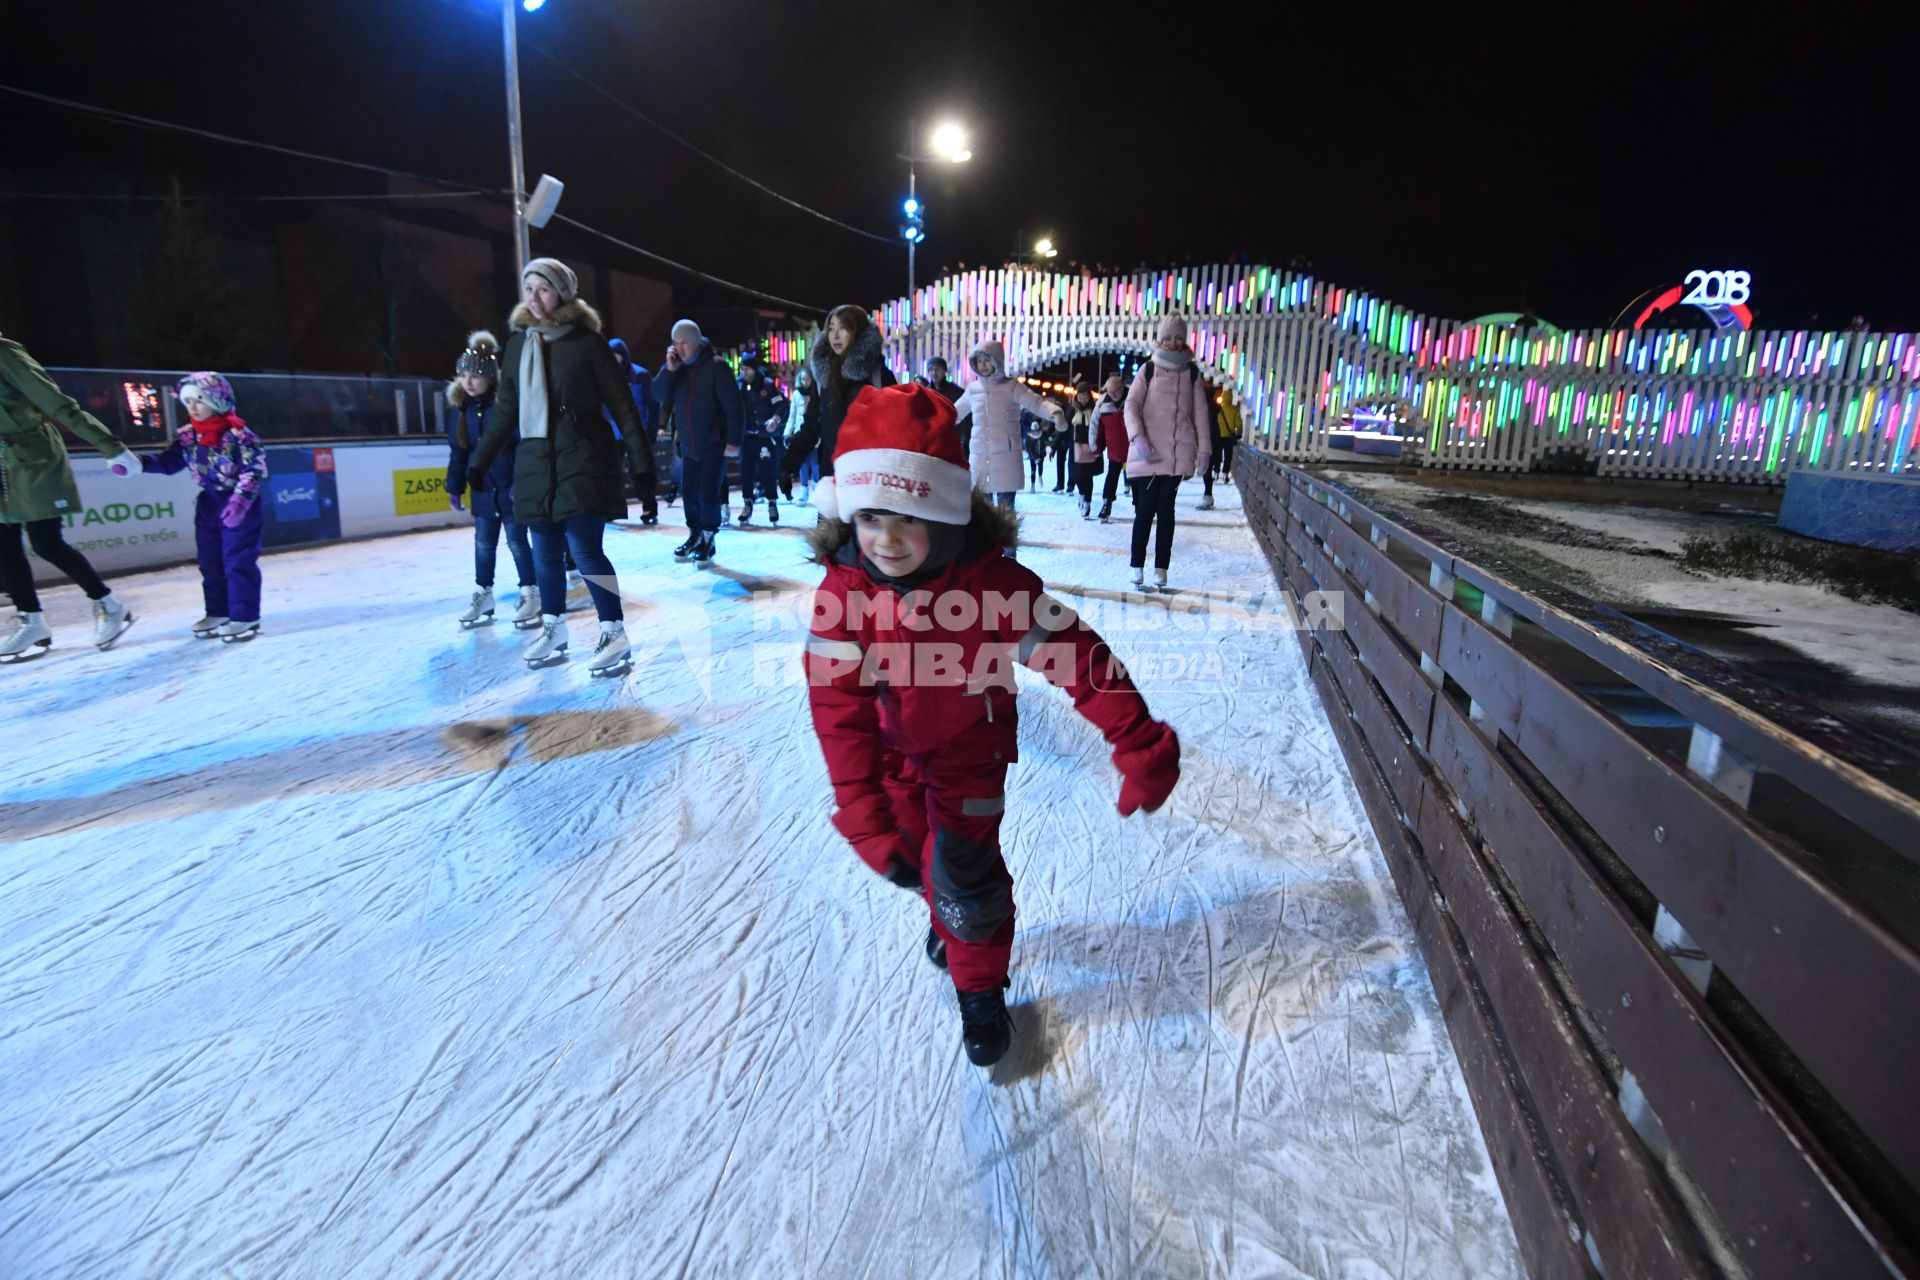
[{"x": 369, "y": 762}]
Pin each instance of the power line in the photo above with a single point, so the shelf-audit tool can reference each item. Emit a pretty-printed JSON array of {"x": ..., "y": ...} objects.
[
  {"x": 147, "y": 122},
  {"x": 708, "y": 156},
  {"x": 692, "y": 271}
]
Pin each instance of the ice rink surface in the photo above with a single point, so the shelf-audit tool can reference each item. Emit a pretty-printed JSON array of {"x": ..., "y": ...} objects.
[{"x": 364, "y": 951}]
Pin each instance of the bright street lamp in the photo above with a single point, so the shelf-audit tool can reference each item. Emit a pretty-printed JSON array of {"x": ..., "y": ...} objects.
[
  {"x": 948, "y": 143},
  {"x": 1043, "y": 248}
]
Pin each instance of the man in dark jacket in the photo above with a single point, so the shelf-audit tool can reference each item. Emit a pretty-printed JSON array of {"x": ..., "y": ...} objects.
[
  {"x": 765, "y": 411},
  {"x": 709, "y": 417},
  {"x": 640, "y": 384},
  {"x": 936, "y": 378}
]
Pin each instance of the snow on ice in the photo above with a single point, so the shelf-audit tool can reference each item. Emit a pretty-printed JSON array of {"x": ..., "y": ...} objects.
[{"x": 363, "y": 950}]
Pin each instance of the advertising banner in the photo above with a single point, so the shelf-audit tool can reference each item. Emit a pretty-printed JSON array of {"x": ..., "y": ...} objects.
[{"x": 392, "y": 488}]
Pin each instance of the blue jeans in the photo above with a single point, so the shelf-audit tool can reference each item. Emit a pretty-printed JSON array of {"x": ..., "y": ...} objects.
[
  {"x": 486, "y": 548},
  {"x": 581, "y": 535},
  {"x": 705, "y": 489},
  {"x": 810, "y": 470}
]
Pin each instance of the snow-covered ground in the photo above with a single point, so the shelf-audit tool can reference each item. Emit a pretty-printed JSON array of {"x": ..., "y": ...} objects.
[
  {"x": 364, "y": 951},
  {"x": 1877, "y": 643}
]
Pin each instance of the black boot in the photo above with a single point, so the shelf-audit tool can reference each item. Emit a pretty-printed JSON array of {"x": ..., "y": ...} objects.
[
  {"x": 746, "y": 514},
  {"x": 703, "y": 549},
  {"x": 1106, "y": 512},
  {"x": 773, "y": 512},
  {"x": 986, "y": 1029},
  {"x": 687, "y": 548},
  {"x": 936, "y": 948},
  {"x": 649, "y": 515}
]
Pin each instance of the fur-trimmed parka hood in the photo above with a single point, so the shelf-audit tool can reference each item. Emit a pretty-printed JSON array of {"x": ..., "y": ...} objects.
[
  {"x": 994, "y": 351},
  {"x": 575, "y": 312},
  {"x": 457, "y": 395},
  {"x": 863, "y": 358},
  {"x": 988, "y": 526}
]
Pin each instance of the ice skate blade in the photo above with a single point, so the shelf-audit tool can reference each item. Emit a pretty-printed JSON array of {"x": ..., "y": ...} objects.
[
  {"x": 486, "y": 621},
  {"x": 241, "y": 637},
  {"x": 531, "y": 624},
  {"x": 114, "y": 639},
  {"x": 613, "y": 672},
  {"x": 27, "y": 655},
  {"x": 551, "y": 660}
]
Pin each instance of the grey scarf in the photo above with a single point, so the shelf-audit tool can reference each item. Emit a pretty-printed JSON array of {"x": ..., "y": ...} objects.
[
  {"x": 1172, "y": 359},
  {"x": 535, "y": 398}
]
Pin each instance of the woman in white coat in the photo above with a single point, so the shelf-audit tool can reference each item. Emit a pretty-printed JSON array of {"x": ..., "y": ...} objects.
[
  {"x": 1168, "y": 440},
  {"x": 996, "y": 454}
]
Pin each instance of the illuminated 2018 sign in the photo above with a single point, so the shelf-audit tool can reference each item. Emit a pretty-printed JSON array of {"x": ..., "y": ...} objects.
[{"x": 1721, "y": 294}]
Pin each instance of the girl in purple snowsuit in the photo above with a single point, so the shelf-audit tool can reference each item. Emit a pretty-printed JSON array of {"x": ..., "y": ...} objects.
[{"x": 230, "y": 464}]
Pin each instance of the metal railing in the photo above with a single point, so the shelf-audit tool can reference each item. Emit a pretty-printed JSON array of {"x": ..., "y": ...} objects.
[
  {"x": 1672, "y": 915},
  {"x": 138, "y": 404}
]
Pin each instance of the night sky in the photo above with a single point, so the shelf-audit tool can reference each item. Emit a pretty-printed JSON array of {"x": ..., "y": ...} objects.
[{"x": 1462, "y": 161}]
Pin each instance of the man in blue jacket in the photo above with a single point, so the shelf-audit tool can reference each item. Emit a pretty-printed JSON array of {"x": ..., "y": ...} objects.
[
  {"x": 766, "y": 416},
  {"x": 709, "y": 417}
]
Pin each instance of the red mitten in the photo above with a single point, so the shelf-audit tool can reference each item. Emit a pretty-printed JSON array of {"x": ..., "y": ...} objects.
[{"x": 1149, "y": 764}]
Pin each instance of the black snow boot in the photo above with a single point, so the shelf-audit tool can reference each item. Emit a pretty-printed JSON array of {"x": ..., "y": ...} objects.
[
  {"x": 986, "y": 1028},
  {"x": 936, "y": 948},
  {"x": 688, "y": 547}
]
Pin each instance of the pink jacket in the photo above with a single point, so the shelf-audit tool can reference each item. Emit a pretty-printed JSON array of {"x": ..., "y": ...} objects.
[{"x": 1167, "y": 430}]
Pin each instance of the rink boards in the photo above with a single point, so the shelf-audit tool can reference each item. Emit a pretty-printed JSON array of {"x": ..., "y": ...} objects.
[{"x": 315, "y": 493}]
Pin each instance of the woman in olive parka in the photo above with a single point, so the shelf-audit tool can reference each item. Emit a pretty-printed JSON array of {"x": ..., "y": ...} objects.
[{"x": 37, "y": 493}]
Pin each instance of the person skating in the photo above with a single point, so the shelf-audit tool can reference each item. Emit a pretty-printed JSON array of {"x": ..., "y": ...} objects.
[
  {"x": 808, "y": 471},
  {"x": 557, "y": 376},
  {"x": 993, "y": 403},
  {"x": 1109, "y": 431},
  {"x": 469, "y": 400},
  {"x": 919, "y": 723},
  {"x": 1168, "y": 440},
  {"x": 37, "y": 493},
  {"x": 1232, "y": 425},
  {"x": 640, "y": 387},
  {"x": 710, "y": 420},
  {"x": 1213, "y": 451},
  {"x": 765, "y": 415},
  {"x": 1033, "y": 436},
  {"x": 229, "y": 465},
  {"x": 1086, "y": 446},
  {"x": 936, "y": 378},
  {"x": 850, "y": 357}
]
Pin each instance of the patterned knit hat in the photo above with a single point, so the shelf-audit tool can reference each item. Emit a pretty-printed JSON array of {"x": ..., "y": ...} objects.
[
  {"x": 209, "y": 388},
  {"x": 482, "y": 356},
  {"x": 898, "y": 451}
]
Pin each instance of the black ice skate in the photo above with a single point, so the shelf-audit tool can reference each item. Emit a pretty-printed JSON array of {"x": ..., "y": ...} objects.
[
  {"x": 1106, "y": 513},
  {"x": 773, "y": 512},
  {"x": 936, "y": 948},
  {"x": 745, "y": 516},
  {"x": 703, "y": 549},
  {"x": 650, "y": 516},
  {"x": 986, "y": 1028},
  {"x": 686, "y": 549}
]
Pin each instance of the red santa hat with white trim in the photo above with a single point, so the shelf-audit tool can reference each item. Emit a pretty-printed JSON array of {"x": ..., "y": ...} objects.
[{"x": 899, "y": 451}]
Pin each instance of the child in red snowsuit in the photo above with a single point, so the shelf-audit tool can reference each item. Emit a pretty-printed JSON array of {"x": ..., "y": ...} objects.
[{"x": 910, "y": 673}]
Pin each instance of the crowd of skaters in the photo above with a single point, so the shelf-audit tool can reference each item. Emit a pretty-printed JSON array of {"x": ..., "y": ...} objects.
[{"x": 913, "y": 487}]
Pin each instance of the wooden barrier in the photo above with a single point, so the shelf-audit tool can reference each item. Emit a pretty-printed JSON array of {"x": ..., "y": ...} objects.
[{"x": 1681, "y": 966}]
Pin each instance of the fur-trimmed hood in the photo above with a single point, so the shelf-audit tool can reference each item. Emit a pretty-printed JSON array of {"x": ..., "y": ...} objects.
[
  {"x": 987, "y": 526},
  {"x": 993, "y": 350},
  {"x": 575, "y": 312},
  {"x": 863, "y": 358},
  {"x": 457, "y": 395}
]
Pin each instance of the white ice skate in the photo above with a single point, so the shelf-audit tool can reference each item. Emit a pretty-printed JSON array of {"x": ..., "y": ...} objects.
[
  {"x": 1139, "y": 578},
  {"x": 1086, "y": 508},
  {"x": 1206, "y": 503},
  {"x": 28, "y": 640},
  {"x": 479, "y": 609},
  {"x": 208, "y": 627},
  {"x": 526, "y": 615},
  {"x": 1160, "y": 579},
  {"x": 237, "y": 632},
  {"x": 613, "y": 655},
  {"x": 110, "y": 621},
  {"x": 550, "y": 649},
  {"x": 574, "y": 579}
]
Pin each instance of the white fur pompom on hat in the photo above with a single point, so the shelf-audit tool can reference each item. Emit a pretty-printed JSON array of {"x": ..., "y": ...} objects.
[
  {"x": 1173, "y": 328},
  {"x": 556, "y": 273}
]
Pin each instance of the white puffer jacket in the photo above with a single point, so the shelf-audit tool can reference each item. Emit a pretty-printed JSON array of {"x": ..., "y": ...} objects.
[{"x": 995, "y": 456}]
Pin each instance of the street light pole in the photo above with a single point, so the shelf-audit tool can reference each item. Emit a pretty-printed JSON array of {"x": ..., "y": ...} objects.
[
  {"x": 513, "y": 142},
  {"x": 912, "y": 194}
]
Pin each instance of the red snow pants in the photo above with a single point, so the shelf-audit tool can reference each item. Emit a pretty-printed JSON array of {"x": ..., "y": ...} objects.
[{"x": 949, "y": 809}]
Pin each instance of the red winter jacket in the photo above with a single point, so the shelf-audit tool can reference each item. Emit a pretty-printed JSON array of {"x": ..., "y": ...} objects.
[
  {"x": 930, "y": 674},
  {"x": 1110, "y": 425}
]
